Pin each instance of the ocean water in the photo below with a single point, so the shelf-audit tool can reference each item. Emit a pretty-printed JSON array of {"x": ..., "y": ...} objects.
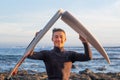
[{"x": 10, "y": 56}]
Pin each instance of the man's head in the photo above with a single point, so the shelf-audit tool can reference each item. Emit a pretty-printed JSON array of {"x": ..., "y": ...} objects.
[{"x": 58, "y": 37}]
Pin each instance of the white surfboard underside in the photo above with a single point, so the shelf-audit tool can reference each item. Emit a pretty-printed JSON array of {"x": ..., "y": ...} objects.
[{"x": 80, "y": 29}]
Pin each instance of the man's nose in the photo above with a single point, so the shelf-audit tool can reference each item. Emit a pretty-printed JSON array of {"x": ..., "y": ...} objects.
[{"x": 59, "y": 38}]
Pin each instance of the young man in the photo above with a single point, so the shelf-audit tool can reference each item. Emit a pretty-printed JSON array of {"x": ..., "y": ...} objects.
[{"x": 58, "y": 62}]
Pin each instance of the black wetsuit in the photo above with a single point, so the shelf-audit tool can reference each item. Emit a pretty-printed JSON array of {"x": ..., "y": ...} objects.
[{"x": 58, "y": 62}]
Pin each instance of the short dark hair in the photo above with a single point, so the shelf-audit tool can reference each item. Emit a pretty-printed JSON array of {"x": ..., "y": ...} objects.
[{"x": 58, "y": 29}]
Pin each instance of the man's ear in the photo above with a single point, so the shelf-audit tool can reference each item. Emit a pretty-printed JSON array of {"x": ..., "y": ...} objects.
[{"x": 65, "y": 39}]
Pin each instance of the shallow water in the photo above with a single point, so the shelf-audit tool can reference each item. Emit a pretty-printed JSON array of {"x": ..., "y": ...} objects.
[{"x": 10, "y": 56}]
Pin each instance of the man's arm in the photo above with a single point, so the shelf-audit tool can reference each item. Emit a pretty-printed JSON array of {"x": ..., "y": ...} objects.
[
  {"x": 34, "y": 55},
  {"x": 88, "y": 52}
]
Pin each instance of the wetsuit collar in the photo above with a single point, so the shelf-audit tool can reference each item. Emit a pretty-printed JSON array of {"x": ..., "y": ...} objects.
[{"x": 59, "y": 49}]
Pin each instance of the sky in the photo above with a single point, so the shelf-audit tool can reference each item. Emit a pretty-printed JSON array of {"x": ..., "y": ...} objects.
[{"x": 21, "y": 19}]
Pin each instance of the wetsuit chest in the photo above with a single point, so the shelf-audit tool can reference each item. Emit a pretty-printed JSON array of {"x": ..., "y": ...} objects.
[{"x": 57, "y": 63}]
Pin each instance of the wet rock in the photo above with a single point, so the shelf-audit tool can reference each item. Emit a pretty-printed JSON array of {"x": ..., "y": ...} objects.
[
  {"x": 73, "y": 66},
  {"x": 90, "y": 74},
  {"x": 86, "y": 74},
  {"x": 99, "y": 76},
  {"x": 86, "y": 71},
  {"x": 103, "y": 68}
]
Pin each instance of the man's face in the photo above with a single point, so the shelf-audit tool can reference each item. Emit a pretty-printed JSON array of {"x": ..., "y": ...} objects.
[{"x": 59, "y": 39}]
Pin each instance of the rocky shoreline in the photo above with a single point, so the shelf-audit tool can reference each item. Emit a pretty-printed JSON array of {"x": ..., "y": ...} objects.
[{"x": 82, "y": 75}]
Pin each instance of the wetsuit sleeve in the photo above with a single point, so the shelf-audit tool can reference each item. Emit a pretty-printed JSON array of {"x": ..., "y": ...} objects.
[
  {"x": 37, "y": 55},
  {"x": 83, "y": 57}
]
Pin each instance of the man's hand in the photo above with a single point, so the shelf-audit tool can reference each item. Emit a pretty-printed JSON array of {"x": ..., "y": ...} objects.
[
  {"x": 83, "y": 39},
  {"x": 36, "y": 33},
  {"x": 15, "y": 72}
]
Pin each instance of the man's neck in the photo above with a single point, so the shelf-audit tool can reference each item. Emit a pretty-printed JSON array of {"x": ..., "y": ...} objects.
[{"x": 59, "y": 49}]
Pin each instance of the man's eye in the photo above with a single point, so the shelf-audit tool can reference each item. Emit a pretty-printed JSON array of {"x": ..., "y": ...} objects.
[{"x": 56, "y": 36}]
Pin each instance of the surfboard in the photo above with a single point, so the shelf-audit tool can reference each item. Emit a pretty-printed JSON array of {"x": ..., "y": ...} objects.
[
  {"x": 69, "y": 19},
  {"x": 35, "y": 40}
]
